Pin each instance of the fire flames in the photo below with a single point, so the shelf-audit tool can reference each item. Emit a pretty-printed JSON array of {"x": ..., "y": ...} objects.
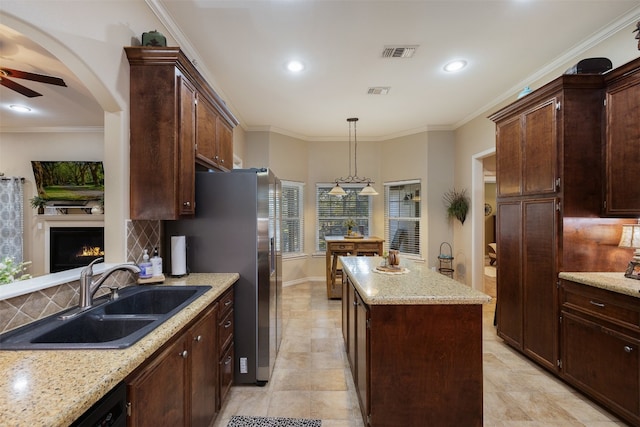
[{"x": 91, "y": 251}]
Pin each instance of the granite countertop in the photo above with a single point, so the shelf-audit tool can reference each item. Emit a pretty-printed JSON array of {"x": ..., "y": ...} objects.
[
  {"x": 611, "y": 281},
  {"x": 418, "y": 286},
  {"x": 54, "y": 388}
]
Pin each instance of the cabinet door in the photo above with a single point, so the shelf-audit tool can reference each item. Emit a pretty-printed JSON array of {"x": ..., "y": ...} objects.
[
  {"x": 158, "y": 393},
  {"x": 540, "y": 149},
  {"x": 602, "y": 362},
  {"x": 186, "y": 149},
  {"x": 509, "y": 285},
  {"x": 204, "y": 369},
  {"x": 539, "y": 277},
  {"x": 351, "y": 334},
  {"x": 206, "y": 122},
  {"x": 509, "y": 157},
  {"x": 623, "y": 149},
  {"x": 225, "y": 145},
  {"x": 362, "y": 355}
]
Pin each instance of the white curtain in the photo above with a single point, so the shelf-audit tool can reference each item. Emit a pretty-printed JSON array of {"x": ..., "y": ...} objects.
[{"x": 11, "y": 218}]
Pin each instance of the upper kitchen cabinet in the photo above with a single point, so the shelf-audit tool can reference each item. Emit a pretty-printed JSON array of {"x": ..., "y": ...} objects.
[
  {"x": 549, "y": 141},
  {"x": 178, "y": 123},
  {"x": 622, "y": 147}
]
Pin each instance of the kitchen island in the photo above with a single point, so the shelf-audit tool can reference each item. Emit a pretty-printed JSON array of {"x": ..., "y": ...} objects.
[
  {"x": 414, "y": 343},
  {"x": 55, "y": 387}
]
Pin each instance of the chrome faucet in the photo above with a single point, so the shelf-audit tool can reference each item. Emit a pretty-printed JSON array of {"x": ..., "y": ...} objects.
[{"x": 88, "y": 287}]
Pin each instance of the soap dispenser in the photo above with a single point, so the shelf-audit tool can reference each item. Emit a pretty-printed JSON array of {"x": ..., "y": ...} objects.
[
  {"x": 146, "y": 270},
  {"x": 156, "y": 264}
]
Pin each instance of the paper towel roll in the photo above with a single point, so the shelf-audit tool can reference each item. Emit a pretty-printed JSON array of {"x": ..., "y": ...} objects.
[{"x": 178, "y": 255}]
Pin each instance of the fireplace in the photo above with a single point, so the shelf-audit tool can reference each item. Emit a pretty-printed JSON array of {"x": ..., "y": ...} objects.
[{"x": 71, "y": 247}]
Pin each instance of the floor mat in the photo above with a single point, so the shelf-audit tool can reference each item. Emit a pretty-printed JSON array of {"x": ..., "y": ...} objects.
[{"x": 241, "y": 421}]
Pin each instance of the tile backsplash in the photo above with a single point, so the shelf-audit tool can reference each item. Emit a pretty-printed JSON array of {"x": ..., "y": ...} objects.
[{"x": 23, "y": 309}]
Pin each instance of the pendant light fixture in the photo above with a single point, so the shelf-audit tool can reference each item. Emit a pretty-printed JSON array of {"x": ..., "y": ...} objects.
[{"x": 368, "y": 190}]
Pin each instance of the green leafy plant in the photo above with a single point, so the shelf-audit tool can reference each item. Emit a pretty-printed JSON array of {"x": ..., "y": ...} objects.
[
  {"x": 11, "y": 272},
  {"x": 350, "y": 223},
  {"x": 38, "y": 202},
  {"x": 457, "y": 204}
]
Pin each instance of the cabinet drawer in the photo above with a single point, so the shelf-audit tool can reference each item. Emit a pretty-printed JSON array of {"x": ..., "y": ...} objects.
[
  {"x": 225, "y": 331},
  {"x": 601, "y": 303},
  {"x": 226, "y": 373},
  {"x": 368, "y": 247},
  {"x": 226, "y": 304},
  {"x": 341, "y": 246}
]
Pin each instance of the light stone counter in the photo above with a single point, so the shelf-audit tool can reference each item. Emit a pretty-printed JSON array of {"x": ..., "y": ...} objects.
[
  {"x": 615, "y": 282},
  {"x": 54, "y": 388},
  {"x": 419, "y": 286}
]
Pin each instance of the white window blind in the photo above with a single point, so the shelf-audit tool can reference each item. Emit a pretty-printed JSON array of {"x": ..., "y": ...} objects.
[
  {"x": 402, "y": 216},
  {"x": 292, "y": 224},
  {"x": 333, "y": 211}
]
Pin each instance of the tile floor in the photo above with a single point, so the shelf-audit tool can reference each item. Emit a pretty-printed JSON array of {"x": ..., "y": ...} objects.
[{"x": 312, "y": 378}]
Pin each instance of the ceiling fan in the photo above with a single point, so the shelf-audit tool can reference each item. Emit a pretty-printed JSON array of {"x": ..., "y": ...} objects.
[{"x": 5, "y": 81}]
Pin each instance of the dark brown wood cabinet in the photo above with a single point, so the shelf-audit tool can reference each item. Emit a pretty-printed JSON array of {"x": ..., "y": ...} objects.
[
  {"x": 178, "y": 123},
  {"x": 204, "y": 375},
  {"x": 403, "y": 358},
  {"x": 185, "y": 382},
  {"x": 548, "y": 147},
  {"x": 600, "y": 346},
  {"x": 622, "y": 148},
  {"x": 225, "y": 355},
  {"x": 214, "y": 137},
  {"x": 156, "y": 394}
]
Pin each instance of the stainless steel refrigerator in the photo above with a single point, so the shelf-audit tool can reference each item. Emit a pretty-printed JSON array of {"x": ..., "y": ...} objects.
[{"x": 237, "y": 229}]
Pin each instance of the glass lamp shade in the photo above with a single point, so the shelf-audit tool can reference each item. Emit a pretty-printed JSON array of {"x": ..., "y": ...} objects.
[
  {"x": 631, "y": 239},
  {"x": 337, "y": 191},
  {"x": 368, "y": 191}
]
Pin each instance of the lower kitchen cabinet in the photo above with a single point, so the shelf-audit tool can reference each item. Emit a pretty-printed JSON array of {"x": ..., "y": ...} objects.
[
  {"x": 225, "y": 355},
  {"x": 600, "y": 333},
  {"x": 204, "y": 376},
  {"x": 185, "y": 383},
  {"x": 415, "y": 365}
]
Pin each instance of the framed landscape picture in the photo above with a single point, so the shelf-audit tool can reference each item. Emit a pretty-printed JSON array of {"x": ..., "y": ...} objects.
[{"x": 69, "y": 182}]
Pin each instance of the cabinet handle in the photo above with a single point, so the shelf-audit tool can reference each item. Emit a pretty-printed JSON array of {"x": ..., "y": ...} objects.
[
  {"x": 355, "y": 303},
  {"x": 221, "y": 160},
  {"x": 227, "y": 303},
  {"x": 184, "y": 354},
  {"x": 198, "y": 338},
  {"x": 226, "y": 362},
  {"x": 597, "y": 304},
  {"x": 228, "y": 324},
  {"x": 628, "y": 349},
  {"x": 186, "y": 204}
]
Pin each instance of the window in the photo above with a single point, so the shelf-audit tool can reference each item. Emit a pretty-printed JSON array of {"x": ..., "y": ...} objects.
[
  {"x": 292, "y": 224},
  {"x": 333, "y": 211},
  {"x": 402, "y": 216}
]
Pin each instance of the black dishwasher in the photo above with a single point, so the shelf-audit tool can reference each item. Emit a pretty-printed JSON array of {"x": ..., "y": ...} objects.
[{"x": 108, "y": 411}]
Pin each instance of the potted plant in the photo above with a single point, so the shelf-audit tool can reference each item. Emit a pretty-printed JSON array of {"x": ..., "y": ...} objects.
[
  {"x": 38, "y": 202},
  {"x": 350, "y": 223},
  {"x": 457, "y": 204}
]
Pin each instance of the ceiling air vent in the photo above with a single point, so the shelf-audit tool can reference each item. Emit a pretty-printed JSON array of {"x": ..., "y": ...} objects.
[
  {"x": 379, "y": 90},
  {"x": 399, "y": 51}
]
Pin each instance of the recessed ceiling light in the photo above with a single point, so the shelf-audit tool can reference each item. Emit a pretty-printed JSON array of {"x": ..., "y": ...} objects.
[
  {"x": 454, "y": 66},
  {"x": 295, "y": 66},
  {"x": 20, "y": 108}
]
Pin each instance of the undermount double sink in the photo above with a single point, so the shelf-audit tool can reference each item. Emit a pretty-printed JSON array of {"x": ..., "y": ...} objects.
[{"x": 114, "y": 324}]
